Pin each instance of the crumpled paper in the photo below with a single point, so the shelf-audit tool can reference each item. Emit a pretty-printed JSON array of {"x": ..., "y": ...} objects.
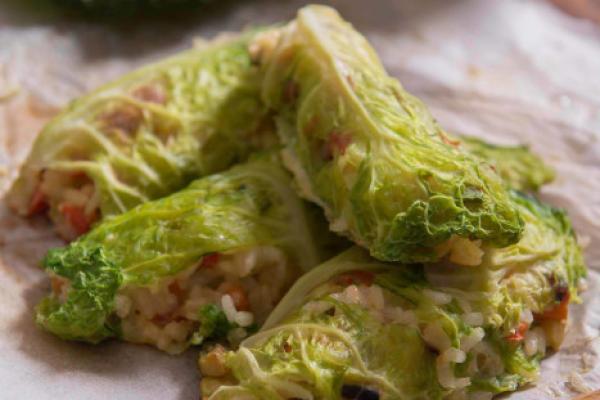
[{"x": 510, "y": 71}]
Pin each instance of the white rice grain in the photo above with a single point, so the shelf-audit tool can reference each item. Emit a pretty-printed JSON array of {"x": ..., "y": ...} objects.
[
  {"x": 446, "y": 378},
  {"x": 453, "y": 355},
  {"x": 471, "y": 340},
  {"x": 399, "y": 316},
  {"x": 436, "y": 337},
  {"x": 438, "y": 298},
  {"x": 486, "y": 360},
  {"x": 534, "y": 342},
  {"x": 527, "y": 316},
  {"x": 228, "y": 308},
  {"x": 244, "y": 318},
  {"x": 473, "y": 318},
  {"x": 350, "y": 295}
]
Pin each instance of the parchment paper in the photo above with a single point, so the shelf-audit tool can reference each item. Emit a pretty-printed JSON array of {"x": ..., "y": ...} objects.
[{"x": 510, "y": 71}]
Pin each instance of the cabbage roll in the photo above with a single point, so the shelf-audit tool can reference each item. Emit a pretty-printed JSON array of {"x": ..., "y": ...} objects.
[
  {"x": 358, "y": 328},
  {"x": 371, "y": 154},
  {"x": 145, "y": 136},
  {"x": 206, "y": 263}
]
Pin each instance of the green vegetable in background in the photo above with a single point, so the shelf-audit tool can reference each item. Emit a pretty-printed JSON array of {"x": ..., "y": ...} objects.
[
  {"x": 370, "y": 153},
  {"x": 519, "y": 167},
  {"x": 147, "y": 134},
  {"x": 118, "y": 9},
  {"x": 249, "y": 205},
  {"x": 437, "y": 330}
]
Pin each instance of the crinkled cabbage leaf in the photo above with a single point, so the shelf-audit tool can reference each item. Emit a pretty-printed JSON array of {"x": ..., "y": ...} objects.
[
  {"x": 517, "y": 165},
  {"x": 370, "y": 153},
  {"x": 543, "y": 268},
  {"x": 249, "y": 205},
  {"x": 154, "y": 130},
  {"x": 327, "y": 340}
]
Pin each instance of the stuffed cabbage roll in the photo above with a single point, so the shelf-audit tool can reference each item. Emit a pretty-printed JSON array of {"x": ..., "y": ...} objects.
[
  {"x": 371, "y": 154},
  {"x": 208, "y": 262},
  {"x": 357, "y": 328},
  {"x": 144, "y": 136}
]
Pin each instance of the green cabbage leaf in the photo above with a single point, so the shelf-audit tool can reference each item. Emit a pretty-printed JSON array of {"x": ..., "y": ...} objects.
[
  {"x": 249, "y": 205},
  {"x": 151, "y": 132},
  {"x": 522, "y": 169},
  {"x": 317, "y": 345},
  {"x": 371, "y": 154}
]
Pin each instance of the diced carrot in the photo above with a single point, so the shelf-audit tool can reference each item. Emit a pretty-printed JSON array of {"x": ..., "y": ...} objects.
[
  {"x": 38, "y": 202},
  {"x": 210, "y": 260},
  {"x": 238, "y": 295},
  {"x": 519, "y": 333},
  {"x": 76, "y": 217},
  {"x": 558, "y": 312},
  {"x": 356, "y": 277}
]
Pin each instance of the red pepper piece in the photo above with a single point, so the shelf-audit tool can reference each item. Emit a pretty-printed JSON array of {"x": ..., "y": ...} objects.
[
  {"x": 519, "y": 334},
  {"x": 38, "y": 203},
  {"x": 558, "y": 312},
  {"x": 76, "y": 217},
  {"x": 356, "y": 278},
  {"x": 210, "y": 260}
]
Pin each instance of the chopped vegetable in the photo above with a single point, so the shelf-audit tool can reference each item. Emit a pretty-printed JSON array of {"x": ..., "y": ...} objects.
[
  {"x": 557, "y": 312},
  {"x": 519, "y": 333},
  {"x": 213, "y": 324},
  {"x": 76, "y": 217},
  {"x": 209, "y": 260}
]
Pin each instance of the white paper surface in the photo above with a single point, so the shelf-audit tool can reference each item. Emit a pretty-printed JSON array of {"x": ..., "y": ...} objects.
[{"x": 510, "y": 71}]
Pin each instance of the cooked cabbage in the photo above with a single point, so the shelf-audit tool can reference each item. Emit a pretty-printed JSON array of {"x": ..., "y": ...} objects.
[
  {"x": 519, "y": 167},
  {"x": 358, "y": 328},
  {"x": 249, "y": 206},
  {"x": 370, "y": 153},
  {"x": 145, "y": 135}
]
